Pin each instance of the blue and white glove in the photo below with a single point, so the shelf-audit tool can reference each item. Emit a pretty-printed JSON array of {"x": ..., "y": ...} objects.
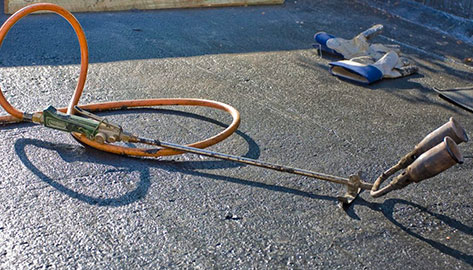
[
  {"x": 365, "y": 70},
  {"x": 355, "y": 47}
]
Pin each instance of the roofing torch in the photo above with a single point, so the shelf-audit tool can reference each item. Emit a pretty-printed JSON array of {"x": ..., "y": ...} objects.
[{"x": 437, "y": 152}]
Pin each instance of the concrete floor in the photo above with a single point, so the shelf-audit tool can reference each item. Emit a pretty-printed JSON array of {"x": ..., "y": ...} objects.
[{"x": 65, "y": 206}]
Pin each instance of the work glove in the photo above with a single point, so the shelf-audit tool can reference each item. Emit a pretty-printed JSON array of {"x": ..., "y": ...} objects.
[
  {"x": 358, "y": 46},
  {"x": 366, "y": 69}
]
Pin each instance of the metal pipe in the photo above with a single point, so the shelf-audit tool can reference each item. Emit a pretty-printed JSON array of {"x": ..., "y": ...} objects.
[{"x": 254, "y": 162}]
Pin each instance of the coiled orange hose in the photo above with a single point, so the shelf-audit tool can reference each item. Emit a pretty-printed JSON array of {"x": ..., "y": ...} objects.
[{"x": 17, "y": 115}]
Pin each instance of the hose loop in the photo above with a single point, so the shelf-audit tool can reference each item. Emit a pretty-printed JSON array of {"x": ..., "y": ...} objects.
[{"x": 16, "y": 115}]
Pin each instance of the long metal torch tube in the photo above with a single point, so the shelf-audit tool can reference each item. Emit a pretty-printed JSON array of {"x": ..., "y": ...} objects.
[{"x": 254, "y": 162}]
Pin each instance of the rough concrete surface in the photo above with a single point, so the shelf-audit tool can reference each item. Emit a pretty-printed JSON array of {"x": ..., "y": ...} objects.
[{"x": 66, "y": 206}]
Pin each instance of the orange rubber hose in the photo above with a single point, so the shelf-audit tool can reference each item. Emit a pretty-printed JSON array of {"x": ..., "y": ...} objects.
[{"x": 17, "y": 115}]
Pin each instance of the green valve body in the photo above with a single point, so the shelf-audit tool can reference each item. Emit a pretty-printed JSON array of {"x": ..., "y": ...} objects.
[{"x": 70, "y": 123}]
